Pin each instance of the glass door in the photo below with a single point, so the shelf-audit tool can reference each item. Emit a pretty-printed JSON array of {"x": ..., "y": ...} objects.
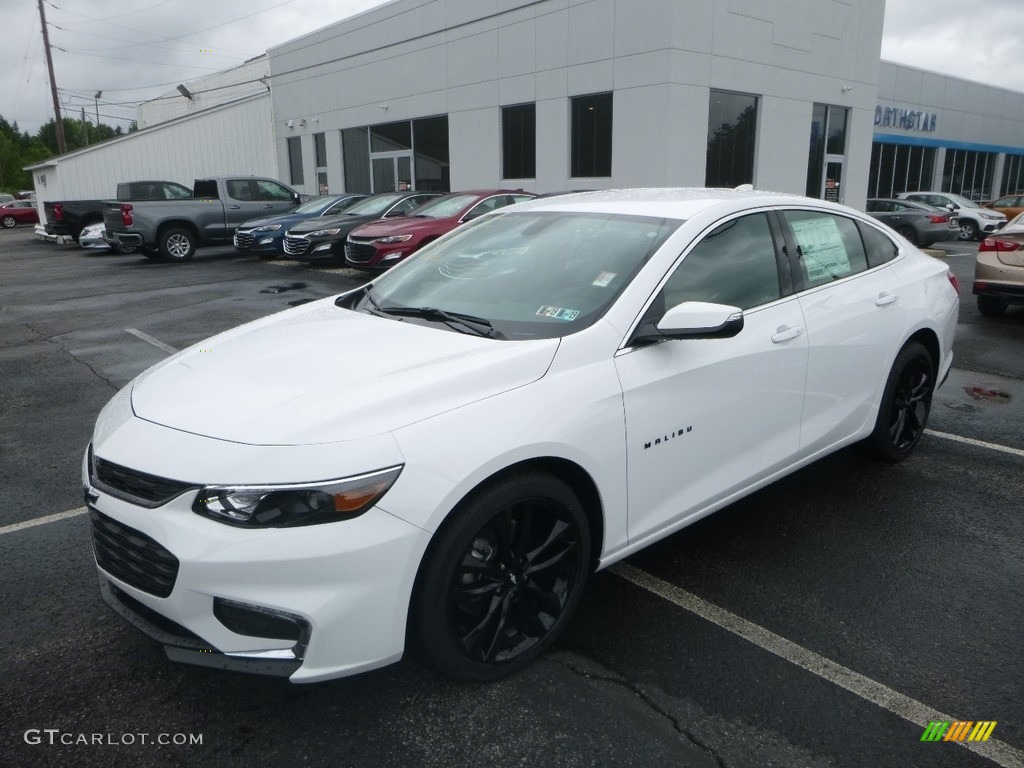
[{"x": 391, "y": 172}]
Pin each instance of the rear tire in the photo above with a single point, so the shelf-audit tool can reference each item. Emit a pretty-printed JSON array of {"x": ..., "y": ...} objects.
[
  {"x": 990, "y": 306},
  {"x": 177, "y": 244},
  {"x": 909, "y": 233},
  {"x": 906, "y": 402},
  {"x": 503, "y": 577},
  {"x": 9, "y": 221}
]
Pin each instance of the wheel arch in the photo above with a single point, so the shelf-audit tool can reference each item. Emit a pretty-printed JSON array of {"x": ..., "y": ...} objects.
[
  {"x": 177, "y": 224},
  {"x": 930, "y": 340}
]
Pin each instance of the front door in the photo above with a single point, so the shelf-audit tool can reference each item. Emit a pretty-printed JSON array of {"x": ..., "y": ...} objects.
[
  {"x": 706, "y": 418},
  {"x": 392, "y": 172},
  {"x": 832, "y": 183}
]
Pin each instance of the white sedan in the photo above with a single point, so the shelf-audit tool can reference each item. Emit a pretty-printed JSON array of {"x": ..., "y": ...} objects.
[{"x": 441, "y": 457}]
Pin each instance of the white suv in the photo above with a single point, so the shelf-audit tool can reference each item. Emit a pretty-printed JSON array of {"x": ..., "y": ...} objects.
[{"x": 975, "y": 221}]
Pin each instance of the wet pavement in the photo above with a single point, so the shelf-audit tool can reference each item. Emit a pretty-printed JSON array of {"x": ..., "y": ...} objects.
[{"x": 908, "y": 575}]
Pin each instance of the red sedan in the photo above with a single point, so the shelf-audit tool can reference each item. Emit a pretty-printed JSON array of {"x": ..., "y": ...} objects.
[
  {"x": 18, "y": 212},
  {"x": 382, "y": 244}
]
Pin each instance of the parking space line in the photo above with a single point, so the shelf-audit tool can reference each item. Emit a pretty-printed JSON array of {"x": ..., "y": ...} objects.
[
  {"x": 881, "y": 695},
  {"x": 155, "y": 342},
  {"x": 42, "y": 520},
  {"x": 977, "y": 443}
]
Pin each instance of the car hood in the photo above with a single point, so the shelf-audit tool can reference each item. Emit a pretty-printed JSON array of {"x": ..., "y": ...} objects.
[
  {"x": 343, "y": 222},
  {"x": 404, "y": 226},
  {"x": 285, "y": 220},
  {"x": 322, "y": 374}
]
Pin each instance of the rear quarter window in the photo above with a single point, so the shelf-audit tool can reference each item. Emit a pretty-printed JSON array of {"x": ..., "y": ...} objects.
[{"x": 879, "y": 248}]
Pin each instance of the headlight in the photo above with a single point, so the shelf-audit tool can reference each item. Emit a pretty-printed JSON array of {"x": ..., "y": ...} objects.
[
  {"x": 993, "y": 216},
  {"x": 287, "y": 506},
  {"x": 267, "y": 228},
  {"x": 394, "y": 239},
  {"x": 323, "y": 233}
]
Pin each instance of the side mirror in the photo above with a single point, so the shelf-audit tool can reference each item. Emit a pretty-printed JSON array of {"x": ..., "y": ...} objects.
[
  {"x": 694, "y": 320},
  {"x": 296, "y": 198}
]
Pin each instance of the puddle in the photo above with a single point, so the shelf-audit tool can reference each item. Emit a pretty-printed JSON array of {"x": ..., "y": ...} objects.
[
  {"x": 284, "y": 288},
  {"x": 299, "y": 302},
  {"x": 988, "y": 395}
]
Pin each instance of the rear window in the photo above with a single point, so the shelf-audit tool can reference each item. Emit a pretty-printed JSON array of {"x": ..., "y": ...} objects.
[{"x": 206, "y": 189}]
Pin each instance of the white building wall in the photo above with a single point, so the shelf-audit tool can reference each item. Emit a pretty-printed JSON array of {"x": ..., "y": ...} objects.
[
  {"x": 660, "y": 58},
  {"x": 211, "y": 91},
  {"x": 232, "y": 139}
]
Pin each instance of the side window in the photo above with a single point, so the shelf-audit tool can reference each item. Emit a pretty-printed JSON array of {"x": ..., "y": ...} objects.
[
  {"x": 520, "y": 199},
  {"x": 239, "y": 189},
  {"x": 176, "y": 192},
  {"x": 828, "y": 246},
  {"x": 271, "y": 190},
  {"x": 735, "y": 265},
  {"x": 486, "y": 206},
  {"x": 404, "y": 207},
  {"x": 880, "y": 249}
]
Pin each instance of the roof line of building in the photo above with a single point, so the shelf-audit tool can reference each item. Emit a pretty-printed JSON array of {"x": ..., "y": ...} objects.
[{"x": 52, "y": 161}]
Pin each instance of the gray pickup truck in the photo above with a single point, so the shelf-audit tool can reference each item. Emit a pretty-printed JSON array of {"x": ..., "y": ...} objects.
[{"x": 173, "y": 229}]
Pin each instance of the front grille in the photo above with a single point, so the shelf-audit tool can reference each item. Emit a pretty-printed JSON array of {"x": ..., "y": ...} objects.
[
  {"x": 132, "y": 556},
  {"x": 137, "y": 487},
  {"x": 295, "y": 246},
  {"x": 244, "y": 239},
  {"x": 359, "y": 252}
]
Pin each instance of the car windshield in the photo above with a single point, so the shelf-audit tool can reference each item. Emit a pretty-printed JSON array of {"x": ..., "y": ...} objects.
[
  {"x": 374, "y": 206},
  {"x": 316, "y": 205},
  {"x": 444, "y": 207},
  {"x": 530, "y": 275}
]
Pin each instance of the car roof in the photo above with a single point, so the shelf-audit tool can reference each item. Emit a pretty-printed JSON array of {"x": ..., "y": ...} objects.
[{"x": 669, "y": 202}]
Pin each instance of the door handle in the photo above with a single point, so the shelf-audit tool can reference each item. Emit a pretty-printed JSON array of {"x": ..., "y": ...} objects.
[
  {"x": 234, "y": 207},
  {"x": 785, "y": 333},
  {"x": 265, "y": 206},
  {"x": 886, "y": 298}
]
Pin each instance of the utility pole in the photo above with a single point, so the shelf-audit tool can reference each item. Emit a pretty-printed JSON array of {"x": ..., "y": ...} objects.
[
  {"x": 96, "y": 101},
  {"x": 61, "y": 146},
  {"x": 85, "y": 127}
]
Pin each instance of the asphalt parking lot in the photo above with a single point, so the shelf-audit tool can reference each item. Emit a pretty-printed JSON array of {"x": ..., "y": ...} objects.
[{"x": 823, "y": 621}]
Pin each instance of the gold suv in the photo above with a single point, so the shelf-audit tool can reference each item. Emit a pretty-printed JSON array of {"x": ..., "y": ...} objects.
[{"x": 999, "y": 269}]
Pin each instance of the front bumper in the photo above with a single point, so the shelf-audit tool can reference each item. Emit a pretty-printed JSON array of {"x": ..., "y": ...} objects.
[
  {"x": 257, "y": 242},
  {"x": 348, "y": 584}
]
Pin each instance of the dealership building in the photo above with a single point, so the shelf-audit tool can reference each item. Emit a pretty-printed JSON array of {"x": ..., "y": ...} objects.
[{"x": 552, "y": 95}]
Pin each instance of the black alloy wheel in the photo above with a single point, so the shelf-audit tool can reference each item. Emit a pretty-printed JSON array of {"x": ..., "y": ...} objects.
[
  {"x": 906, "y": 402},
  {"x": 505, "y": 576}
]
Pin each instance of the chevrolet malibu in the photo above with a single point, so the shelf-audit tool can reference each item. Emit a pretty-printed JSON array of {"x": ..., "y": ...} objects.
[{"x": 536, "y": 395}]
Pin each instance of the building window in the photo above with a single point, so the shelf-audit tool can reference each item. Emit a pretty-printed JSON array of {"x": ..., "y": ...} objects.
[
  {"x": 519, "y": 142},
  {"x": 355, "y": 144},
  {"x": 430, "y": 147},
  {"x": 320, "y": 153},
  {"x": 968, "y": 173},
  {"x": 1013, "y": 176},
  {"x": 295, "y": 159},
  {"x": 732, "y": 130},
  {"x": 592, "y": 136},
  {"x": 899, "y": 168}
]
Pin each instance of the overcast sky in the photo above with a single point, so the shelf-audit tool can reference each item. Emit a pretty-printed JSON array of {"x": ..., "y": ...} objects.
[{"x": 116, "y": 46}]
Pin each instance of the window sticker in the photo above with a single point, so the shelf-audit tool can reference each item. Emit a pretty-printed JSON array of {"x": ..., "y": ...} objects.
[
  {"x": 558, "y": 313},
  {"x": 604, "y": 279},
  {"x": 821, "y": 245}
]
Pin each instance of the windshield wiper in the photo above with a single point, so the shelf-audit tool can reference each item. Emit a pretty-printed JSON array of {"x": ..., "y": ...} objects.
[{"x": 481, "y": 326}]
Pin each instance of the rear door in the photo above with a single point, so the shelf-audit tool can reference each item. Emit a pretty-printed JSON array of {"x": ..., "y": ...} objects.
[
  {"x": 854, "y": 320},
  {"x": 241, "y": 204}
]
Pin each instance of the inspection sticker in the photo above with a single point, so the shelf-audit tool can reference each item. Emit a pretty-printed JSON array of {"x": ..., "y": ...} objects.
[
  {"x": 558, "y": 313},
  {"x": 604, "y": 279}
]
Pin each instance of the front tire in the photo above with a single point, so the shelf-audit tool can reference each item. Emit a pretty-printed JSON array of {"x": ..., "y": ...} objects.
[
  {"x": 177, "y": 244},
  {"x": 968, "y": 230},
  {"x": 503, "y": 577},
  {"x": 906, "y": 402},
  {"x": 9, "y": 222}
]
